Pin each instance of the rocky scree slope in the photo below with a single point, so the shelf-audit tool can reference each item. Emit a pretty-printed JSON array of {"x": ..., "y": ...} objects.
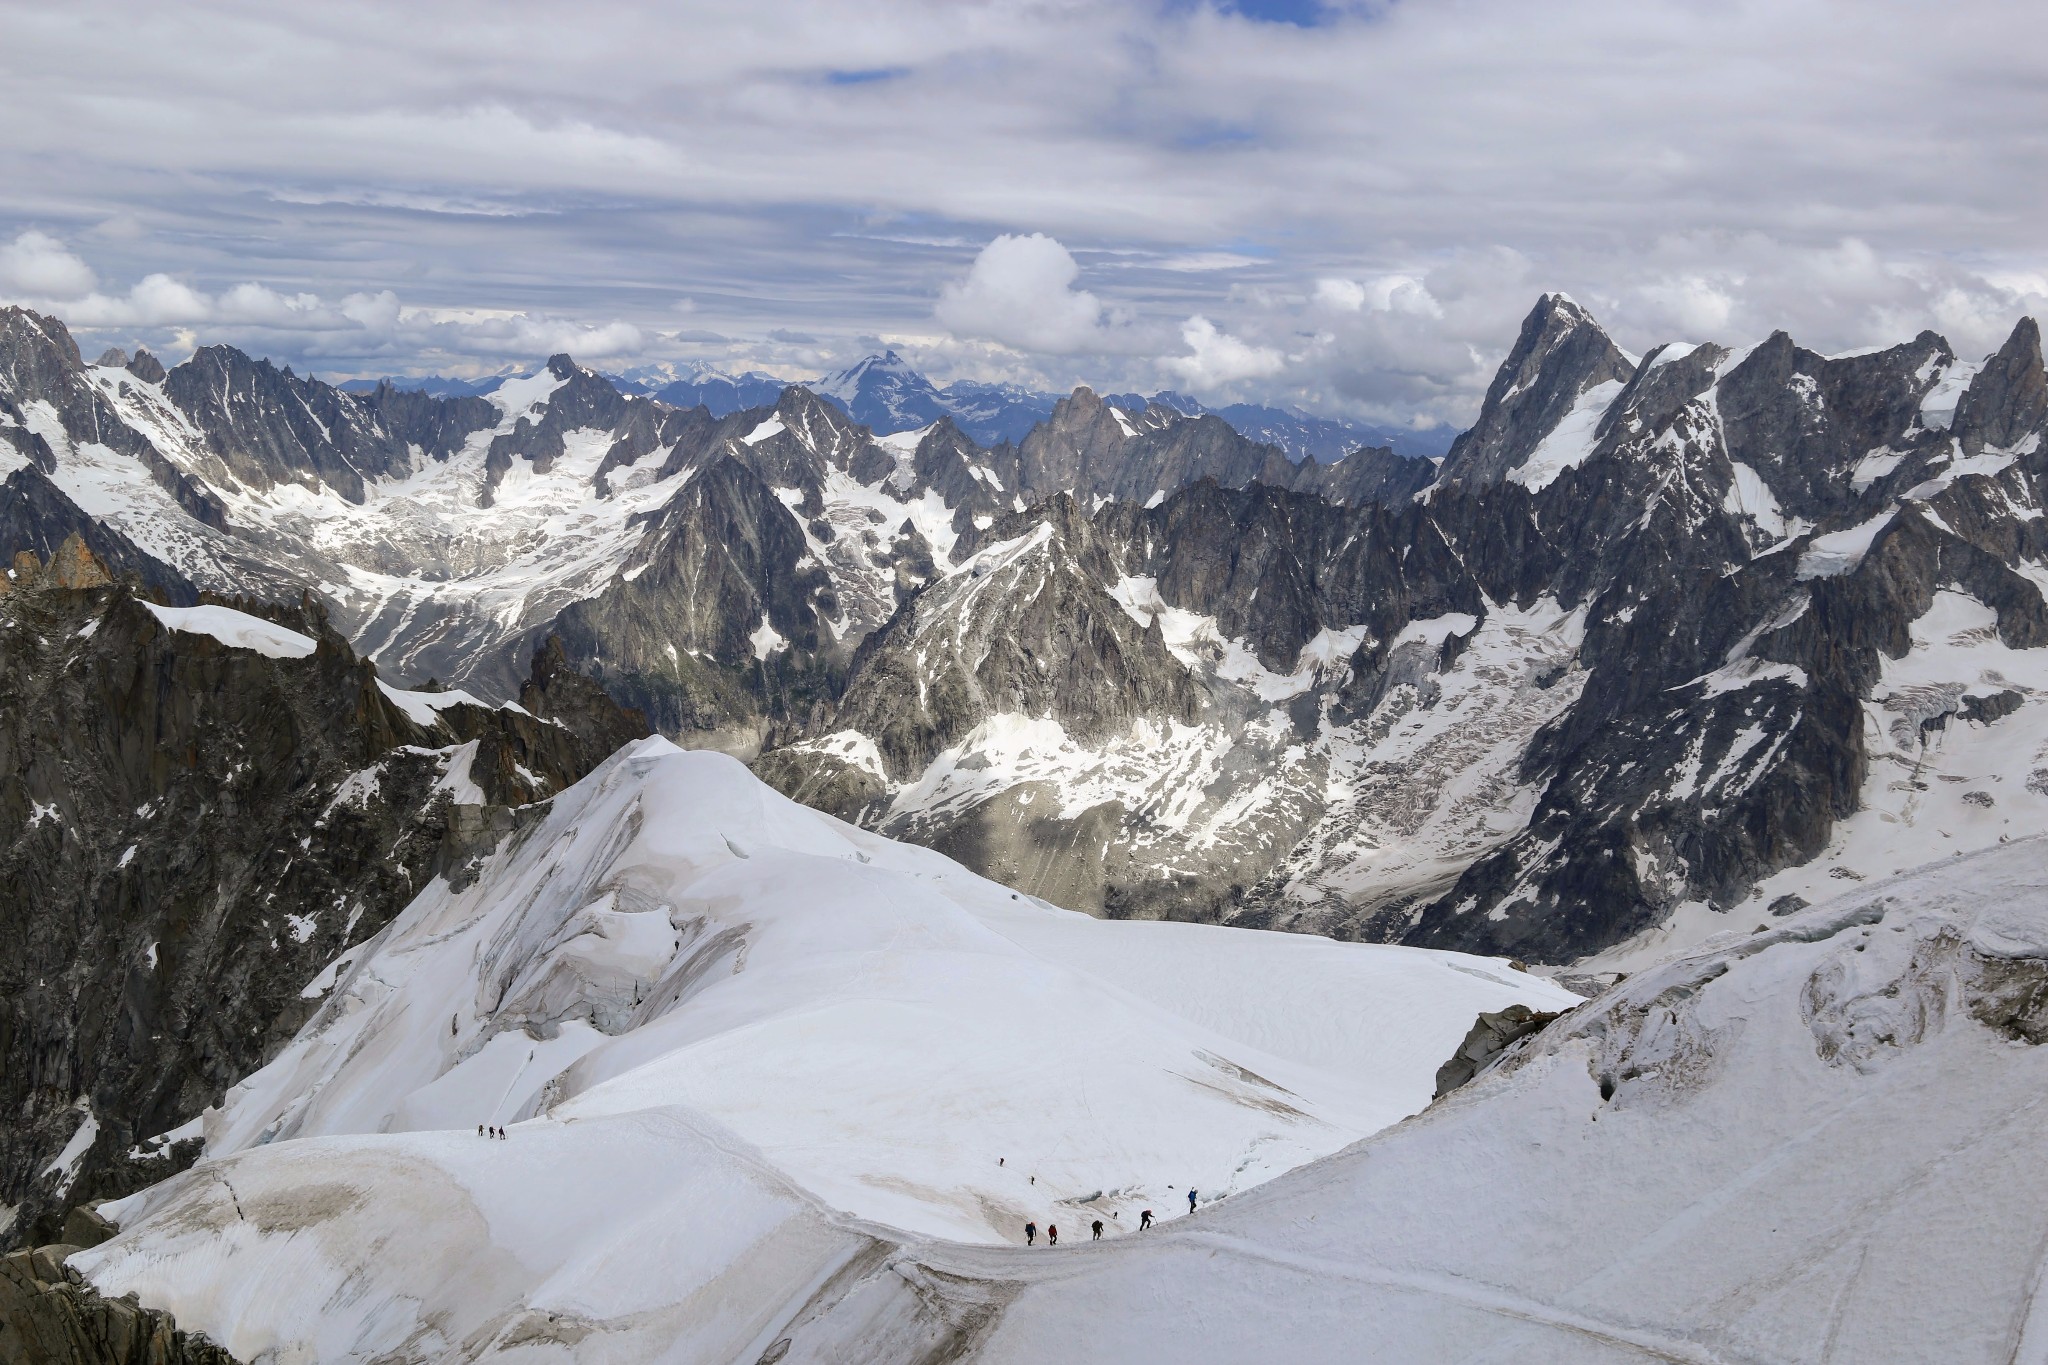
[
  {"x": 1671, "y": 643},
  {"x": 201, "y": 808}
]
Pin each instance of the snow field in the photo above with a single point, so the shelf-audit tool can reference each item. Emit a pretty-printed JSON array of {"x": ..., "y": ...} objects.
[
  {"x": 1738, "y": 1196},
  {"x": 696, "y": 1005},
  {"x": 238, "y": 629}
]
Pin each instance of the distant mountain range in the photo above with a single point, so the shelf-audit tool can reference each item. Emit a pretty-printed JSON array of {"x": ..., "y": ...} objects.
[{"x": 884, "y": 393}]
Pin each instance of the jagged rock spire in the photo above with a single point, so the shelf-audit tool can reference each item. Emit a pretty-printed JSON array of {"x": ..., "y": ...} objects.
[
  {"x": 2008, "y": 400},
  {"x": 1560, "y": 354}
]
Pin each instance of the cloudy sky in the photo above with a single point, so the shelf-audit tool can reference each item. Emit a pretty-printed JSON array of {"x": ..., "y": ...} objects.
[{"x": 1348, "y": 206}]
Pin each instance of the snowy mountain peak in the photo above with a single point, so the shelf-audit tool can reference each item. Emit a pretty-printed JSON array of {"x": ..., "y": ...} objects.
[
  {"x": 2008, "y": 399},
  {"x": 846, "y": 384},
  {"x": 1560, "y": 355},
  {"x": 884, "y": 393}
]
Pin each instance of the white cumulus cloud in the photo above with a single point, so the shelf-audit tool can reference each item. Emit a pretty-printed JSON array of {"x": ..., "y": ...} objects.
[
  {"x": 1020, "y": 293},
  {"x": 167, "y": 314},
  {"x": 1217, "y": 359},
  {"x": 38, "y": 265}
]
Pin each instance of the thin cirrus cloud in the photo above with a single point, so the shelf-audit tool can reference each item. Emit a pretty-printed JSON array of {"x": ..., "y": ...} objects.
[{"x": 1357, "y": 199}]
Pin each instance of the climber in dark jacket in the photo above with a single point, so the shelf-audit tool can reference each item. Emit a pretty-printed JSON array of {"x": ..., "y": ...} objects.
[
  {"x": 1144, "y": 1220},
  {"x": 1030, "y": 1234},
  {"x": 1191, "y": 1201},
  {"x": 1096, "y": 1227}
]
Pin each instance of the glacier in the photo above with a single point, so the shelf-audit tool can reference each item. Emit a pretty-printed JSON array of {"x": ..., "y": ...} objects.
[{"x": 737, "y": 1046}]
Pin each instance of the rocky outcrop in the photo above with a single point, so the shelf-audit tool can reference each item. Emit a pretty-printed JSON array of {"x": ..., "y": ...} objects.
[
  {"x": 1027, "y": 629},
  {"x": 191, "y": 832},
  {"x": 1490, "y": 1036},
  {"x": 556, "y": 692},
  {"x": 268, "y": 426},
  {"x": 1650, "y": 664},
  {"x": 37, "y": 517},
  {"x": 40, "y": 365},
  {"x": 1624, "y": 652},
  {"x": 1368, "y": 474},
  {"x": 582, "y": 399},
  {"x": 50, "y": 1316},
  {"x": 719, "y": 628},
  {"x": 2008, "y": 400}
]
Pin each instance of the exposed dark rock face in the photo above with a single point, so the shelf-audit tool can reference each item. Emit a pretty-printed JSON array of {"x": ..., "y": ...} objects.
[
  {"x": 557, "y": 692},
  {"x": 448, "y": 531},
  {"x": 717, "y": 629},
  {"x": 1560, "y": 354},
  {"x": 1089, "y": 446},
  {"x": 40, "y": 365},
  {"x": 1490, "y": 1036},
  {"x": 951, "y": 465},
  {"x": 2008, "y": 401},
  {"x": 1366, "y": 475},
  {"x": 438, "y": 426},
  {"x": 267, "y": 426},
  {"x": 1627, "y": 651},
  {"x": 50, "y": 1316},
  {"x": 191, "y": 831},
  {"x": 584, "y": 399},
  {"x": 36, "y": 516},
  {"x": 1032, "y": 634}
]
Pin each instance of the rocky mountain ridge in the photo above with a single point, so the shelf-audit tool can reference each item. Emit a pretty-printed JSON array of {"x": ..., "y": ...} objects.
[
  {"x": 1640, "y": 656},
  {"x": 201, "y": 808},
  {"x": 1652, "y": 655},
  {"x": 451, "y": 535}
]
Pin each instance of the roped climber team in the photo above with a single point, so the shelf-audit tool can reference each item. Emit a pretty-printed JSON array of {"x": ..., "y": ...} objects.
[{"x": 1095, "y": 1228}]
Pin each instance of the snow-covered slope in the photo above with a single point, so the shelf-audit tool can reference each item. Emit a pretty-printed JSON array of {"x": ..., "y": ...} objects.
[
  {"x": 1817, "y": 1143},
  {"x": 715, "y": 1024}
]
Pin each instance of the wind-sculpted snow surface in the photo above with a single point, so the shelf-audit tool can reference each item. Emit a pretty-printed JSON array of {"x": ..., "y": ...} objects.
[{"x": 735, "y": 1042}]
